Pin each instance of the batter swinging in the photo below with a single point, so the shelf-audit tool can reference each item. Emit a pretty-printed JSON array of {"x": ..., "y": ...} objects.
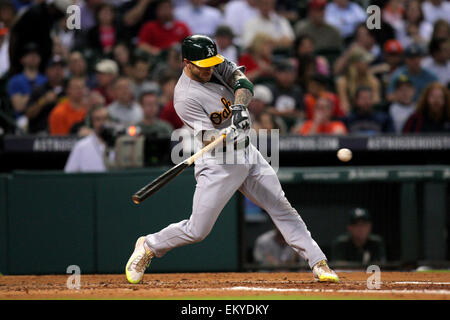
[{"x": 211, "y": 98}]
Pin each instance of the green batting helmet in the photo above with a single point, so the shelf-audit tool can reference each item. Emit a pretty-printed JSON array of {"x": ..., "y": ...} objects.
[{"x": 201, "y": 51}]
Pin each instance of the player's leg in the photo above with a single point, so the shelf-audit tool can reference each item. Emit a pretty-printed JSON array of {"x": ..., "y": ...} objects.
[
  {"x": 215, "y": 186},
  {"x": 264, "y": 189}
]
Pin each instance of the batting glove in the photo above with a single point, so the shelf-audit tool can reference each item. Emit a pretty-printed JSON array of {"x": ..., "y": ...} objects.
[
  {"x": 231, "y": 132},
  {"x": 240, "y": 117}
]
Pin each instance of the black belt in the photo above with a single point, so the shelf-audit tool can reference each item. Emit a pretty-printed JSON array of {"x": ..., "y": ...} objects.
[{"x": 239, "y": 144}]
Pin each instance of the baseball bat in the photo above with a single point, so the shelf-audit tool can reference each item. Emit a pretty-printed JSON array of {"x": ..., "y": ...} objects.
[{"x": 167, "y": 176}]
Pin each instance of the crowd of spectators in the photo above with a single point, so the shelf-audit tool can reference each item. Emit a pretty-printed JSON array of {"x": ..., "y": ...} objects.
[{"x": 316, "y": 65}]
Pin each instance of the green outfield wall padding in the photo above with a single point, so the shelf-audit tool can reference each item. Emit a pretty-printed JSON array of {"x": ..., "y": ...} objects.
[
  {"x": 89, "y": 220},
  {"x": 121, "y": 222},
  {"x": 51, "y": 220},
  {"x": 50, "y": 223}
]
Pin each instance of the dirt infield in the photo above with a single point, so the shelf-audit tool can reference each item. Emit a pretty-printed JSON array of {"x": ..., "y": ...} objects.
[{"x": 289, "y": 285}]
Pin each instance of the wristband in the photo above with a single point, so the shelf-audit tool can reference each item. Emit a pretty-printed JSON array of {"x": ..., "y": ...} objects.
[{"x": 243, "y": 83}]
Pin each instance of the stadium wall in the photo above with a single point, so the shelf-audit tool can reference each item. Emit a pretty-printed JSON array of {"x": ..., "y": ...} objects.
[{"x": 51, "y": 220}]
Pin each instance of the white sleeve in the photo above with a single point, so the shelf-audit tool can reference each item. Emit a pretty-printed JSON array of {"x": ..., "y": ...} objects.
[
  {"x": 227, "y": 68},
  {"x": 73, "y": 162},
  {"x": 287, "y": 30}
]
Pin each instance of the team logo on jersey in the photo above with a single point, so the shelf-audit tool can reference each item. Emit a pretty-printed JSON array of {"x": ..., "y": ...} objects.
[{"x": 218, "y": 117}]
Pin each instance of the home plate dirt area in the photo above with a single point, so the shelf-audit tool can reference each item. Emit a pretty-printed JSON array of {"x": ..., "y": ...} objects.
[{"x": 280, "y": 285}]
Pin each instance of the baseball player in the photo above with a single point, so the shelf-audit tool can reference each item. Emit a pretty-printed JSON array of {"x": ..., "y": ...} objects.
[{"x": 214, "y": 92}]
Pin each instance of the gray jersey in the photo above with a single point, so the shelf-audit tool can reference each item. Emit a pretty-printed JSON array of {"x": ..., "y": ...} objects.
[{"x": 206, "y": 106}]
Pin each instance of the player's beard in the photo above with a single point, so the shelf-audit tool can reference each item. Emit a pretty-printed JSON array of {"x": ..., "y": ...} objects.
[{"x": 200, "y": 74}]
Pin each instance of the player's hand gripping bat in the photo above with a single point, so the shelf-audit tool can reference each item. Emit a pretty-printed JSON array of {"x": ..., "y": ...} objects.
[{"x": 167, "y": 176}]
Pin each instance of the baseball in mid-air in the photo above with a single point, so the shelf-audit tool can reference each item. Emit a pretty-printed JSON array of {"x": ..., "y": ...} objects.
[{"x": 344, "y": 154}]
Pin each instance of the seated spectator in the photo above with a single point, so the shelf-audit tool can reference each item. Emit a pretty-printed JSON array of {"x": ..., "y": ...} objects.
[
  {"x": 89, "y": 153},
  {"x": 270, "y": 23},
  {"x": 84, "y": 128},
  {"x": 345, "y": 16},
  {"x": 432, "y": 112},
  {"x": 140, "y": 79},
  {"x": 165, "y": 31},
  {"x": 124, "y": 109},
  {"x": 438, "y": 62},
  {"x": 21, "y": 85},
  {"x": 88, "y": 9},
  {"x": 321, "y": 122},
  {"x": 167, "y": 88},
  {"x": 304, "y": 46},
  {"x": 237, "y": 13},
  {"x": 317, "y": 87},
  {"x": 199, "y": 17},
  {"x": 413, "y": 69},
  {"x": 359, "y": 244},
  {"x": 106, "y": 32},
  {"x": 365, "y": 40},
  {"x": 135, "y": 13},
  {"x": 172, "y": 64},
  {"x": 258, "y": 107},
  {"x": 224, "y": 39},
  {"x": 403, "y": 105},
  {"x": 324, "y": 35},
  {"x": 272, "y": 250},
  {"x": 357, "y": 74},
  {"x": 71, "y": 110},
  {"x": 257, "y": 59},
  {"x": 151, "y": 125},
  {"x": 441, "y": 30},
  {"x": 45, "y": 97},
  {"x": 307, "y": 68},
  {"x": 77, "y": 67},
  {"x": 393, "y": 59},
  {"x": 4, "y": 50},
  {"x": 434, "y": 10},
  {"x": 7, "y": 13},
  {"x": 64, "y": 40},
  {"x": 265, "y": 121},
  {"x": 413, "y": 28},
  {"x": 35, "y": 25},
  {"x": 392, "y": 12},
  {"x": 106, "y": 72},
  {"x": 287, "y": 94},
  {"x": 123, "y": 57},
  {"x": 364, "y": 119}
]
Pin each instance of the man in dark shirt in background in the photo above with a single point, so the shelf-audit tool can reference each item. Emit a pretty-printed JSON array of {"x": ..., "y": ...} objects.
[
  {"x": 358, "y": 244},
  {"x": 365, "y": 119}
]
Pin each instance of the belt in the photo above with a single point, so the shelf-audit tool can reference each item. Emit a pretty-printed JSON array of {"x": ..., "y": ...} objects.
[{"x": 239, "y": 145}]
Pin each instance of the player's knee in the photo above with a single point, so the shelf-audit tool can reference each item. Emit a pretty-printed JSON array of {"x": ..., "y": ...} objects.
[{"x": 198, "y": 235}]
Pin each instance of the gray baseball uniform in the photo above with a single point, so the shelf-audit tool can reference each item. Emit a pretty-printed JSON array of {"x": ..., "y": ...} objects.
[{"x": 208, "y": 104}]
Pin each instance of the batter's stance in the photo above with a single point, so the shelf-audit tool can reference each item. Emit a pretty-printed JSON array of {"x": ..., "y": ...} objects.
[{"x": 214, "y": 93}]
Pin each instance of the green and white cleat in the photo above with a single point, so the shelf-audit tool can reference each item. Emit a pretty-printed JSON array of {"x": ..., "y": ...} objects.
[
  {"x": 139, "y": 261},
  {"x": 323, "y": 273}
]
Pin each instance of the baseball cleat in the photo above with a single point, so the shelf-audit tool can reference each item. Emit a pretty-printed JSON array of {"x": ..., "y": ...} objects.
[
  {"x": 139, "y": 261},
  {"x": 323, "y": 273}
]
